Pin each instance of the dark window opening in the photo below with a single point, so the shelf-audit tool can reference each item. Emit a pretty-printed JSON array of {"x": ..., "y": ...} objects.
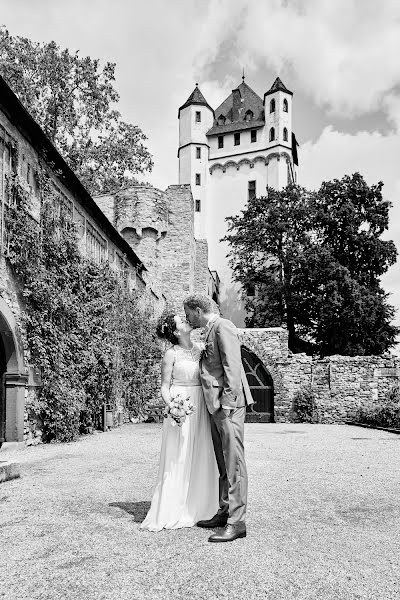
[
  {"x": 285, "y": 135},
  {"x": 197, "y": 205},
  {"x": 272, "y": 106},
  {"x": 198, "y": 116},
  {"x": 253, "y": 134},
  {"x": 198, "y": 179},
  {"x": 271, "y": 134},
  {"x": 237, "y": 139},
  {"x": 220, "y": 141},
  {"x": 285, "y": 105},
  {"x": 252, "y": 190},
  {"x": 198, "y": 152}
]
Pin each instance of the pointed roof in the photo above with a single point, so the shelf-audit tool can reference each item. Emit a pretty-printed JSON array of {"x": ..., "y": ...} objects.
[
  {"x": 196, "y": 97},
  {"x": 249, "y": 100},
  {"x": 278, "y": 86}
]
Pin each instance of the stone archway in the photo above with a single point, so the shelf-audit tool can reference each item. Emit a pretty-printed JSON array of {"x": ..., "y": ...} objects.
[
  {"x": 261, "y": 387},
  {"x": 13, "y": 378}
]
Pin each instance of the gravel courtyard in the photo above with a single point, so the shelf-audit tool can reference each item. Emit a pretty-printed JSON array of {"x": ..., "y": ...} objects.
[{"x": 323, "y": 521}]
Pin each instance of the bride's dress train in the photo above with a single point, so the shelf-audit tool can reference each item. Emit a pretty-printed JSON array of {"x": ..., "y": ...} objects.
[{"x": 187, "y": 488}]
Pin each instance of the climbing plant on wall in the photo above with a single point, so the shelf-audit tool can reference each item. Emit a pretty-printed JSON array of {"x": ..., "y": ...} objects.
[{"x": 92, "y": 338}]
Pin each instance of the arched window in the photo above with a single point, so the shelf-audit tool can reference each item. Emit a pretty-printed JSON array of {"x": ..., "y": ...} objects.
[
  {"x": 221, "y": 120},
  {"x": 285, "y": 138},
  {"x": 285, "y": 105},
  {"x": 272, "y": 106},
  {"x": 271, "y": 134},
  {"x": 249, "y": 115}
]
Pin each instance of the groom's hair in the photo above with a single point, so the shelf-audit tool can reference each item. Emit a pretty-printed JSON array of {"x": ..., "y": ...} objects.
[{"x": 202, "y": 301}]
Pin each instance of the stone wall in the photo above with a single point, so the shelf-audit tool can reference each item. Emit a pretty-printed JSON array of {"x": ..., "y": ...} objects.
[
  {"x": 201, "y": 267},
  {"x": 341, "y": 384},
  {"x": 160, "y": 228}
]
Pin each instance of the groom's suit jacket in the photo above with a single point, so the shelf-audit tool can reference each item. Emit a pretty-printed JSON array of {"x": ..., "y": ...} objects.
[{"x": 221, "y": 369}]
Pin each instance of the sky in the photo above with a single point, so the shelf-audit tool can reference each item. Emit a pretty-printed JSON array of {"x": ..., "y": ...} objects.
[{"x": 340, "y": 58}]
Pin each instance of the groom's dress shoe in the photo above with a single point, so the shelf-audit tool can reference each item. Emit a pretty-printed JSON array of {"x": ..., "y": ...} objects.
[
  {"x": 216, "y": 521},
  {"x": 230, "y": 532}
]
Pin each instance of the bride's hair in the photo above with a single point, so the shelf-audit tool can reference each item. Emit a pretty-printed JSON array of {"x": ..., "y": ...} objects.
[{"x": 166, "y": 326}]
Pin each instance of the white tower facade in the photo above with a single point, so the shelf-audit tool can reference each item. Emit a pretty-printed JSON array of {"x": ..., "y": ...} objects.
[
  {"x": 195, "y": 119},
  {"x": 250, "y": 146}
]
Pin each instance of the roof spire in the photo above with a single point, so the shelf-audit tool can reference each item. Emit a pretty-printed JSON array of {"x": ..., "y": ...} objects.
[{"x": 243, "y": 76}]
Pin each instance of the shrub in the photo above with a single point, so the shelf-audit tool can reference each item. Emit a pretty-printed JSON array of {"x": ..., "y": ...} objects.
[
  {"x": 304, "y": 407},
  {"x": 384, "y": 414}
]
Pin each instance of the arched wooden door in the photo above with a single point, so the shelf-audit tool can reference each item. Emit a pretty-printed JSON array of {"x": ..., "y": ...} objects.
[{"x": 261, "y": 387}]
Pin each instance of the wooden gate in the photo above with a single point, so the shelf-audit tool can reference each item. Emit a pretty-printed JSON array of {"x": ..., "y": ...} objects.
[{"x": 261, "y": 387}]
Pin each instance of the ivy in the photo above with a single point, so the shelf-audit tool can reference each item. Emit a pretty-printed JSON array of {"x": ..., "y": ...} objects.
[{"x": 93, "y": 340}]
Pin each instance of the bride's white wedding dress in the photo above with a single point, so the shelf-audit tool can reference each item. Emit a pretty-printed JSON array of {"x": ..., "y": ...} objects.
[{"x": 187, "y": 482}]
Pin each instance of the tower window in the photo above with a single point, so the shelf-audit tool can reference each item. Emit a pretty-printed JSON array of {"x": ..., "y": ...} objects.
[
  {"x": 285, "y": 105},
  {"x": 285, "y": 136},
  {"x": 221, "y": 120},
  {"x": 272, "y": 106},
  {"x": 252, "y": 190},
  {"x": 197, "y": 205},
  {"x": 249, "y": 115},
  {"x": 236, "y": 139},
  {"x": 198, "y": 152},
  {"x": 271, "y": 134},
  {"x": 220, "y": 141},
  {"x": 198, "y": 179},
  {"x": 253, "y": 135},
  {"x": 198, "y": 116}
]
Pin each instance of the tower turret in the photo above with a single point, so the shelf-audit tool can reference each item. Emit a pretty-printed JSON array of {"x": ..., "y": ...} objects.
[
  {"x": 278, "y": 134},
  {"x": 195, "y": 118}
]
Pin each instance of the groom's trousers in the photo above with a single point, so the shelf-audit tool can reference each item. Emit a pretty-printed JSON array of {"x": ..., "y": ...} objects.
[{"x": 227, "y": 434}]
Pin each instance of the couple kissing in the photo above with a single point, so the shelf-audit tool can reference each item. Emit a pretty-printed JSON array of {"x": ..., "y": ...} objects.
[{"x": 202, "y": 476}]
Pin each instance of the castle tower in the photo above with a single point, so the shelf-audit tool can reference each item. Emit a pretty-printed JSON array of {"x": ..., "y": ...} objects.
[
  {"x": 195, "y": 119},
  {"x": 278, "y": 135},
  {"x": 228, "y": 156}
]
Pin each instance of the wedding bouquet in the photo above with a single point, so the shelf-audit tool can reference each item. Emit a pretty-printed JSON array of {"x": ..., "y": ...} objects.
[{"x": 178, "y": 409}]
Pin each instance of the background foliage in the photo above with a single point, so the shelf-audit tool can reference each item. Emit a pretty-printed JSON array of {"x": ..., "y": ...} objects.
[
  {"x": 313, "y": 261},
  {"x": 384, "y": 414},
  {"x": 73, "y": 100},
  {"x": 93, "y": 339}
]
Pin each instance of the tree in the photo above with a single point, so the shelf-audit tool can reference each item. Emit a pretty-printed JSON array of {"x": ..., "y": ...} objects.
[
  {"x": 72, "y": 99},
  {"x": 315, "y": 260}
]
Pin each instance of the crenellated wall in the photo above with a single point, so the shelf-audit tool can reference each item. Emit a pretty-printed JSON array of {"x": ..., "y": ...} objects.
[{"x": 160, "y": 228}]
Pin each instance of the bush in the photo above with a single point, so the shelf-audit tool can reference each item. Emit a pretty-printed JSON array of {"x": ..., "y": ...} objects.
[
  {"x": 304, "y": 408},
  {"x": 385, "y": 414}
]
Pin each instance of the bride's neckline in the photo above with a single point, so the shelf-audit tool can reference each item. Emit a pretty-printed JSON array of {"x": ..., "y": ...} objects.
[{"x": 188, "y": 351}]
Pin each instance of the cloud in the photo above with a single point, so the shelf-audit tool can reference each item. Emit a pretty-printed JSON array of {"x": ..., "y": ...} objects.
[{"x": 343, "y": 54}]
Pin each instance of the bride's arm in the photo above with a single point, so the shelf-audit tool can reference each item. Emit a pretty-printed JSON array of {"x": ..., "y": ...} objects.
[{"x": 166, "y": 373}]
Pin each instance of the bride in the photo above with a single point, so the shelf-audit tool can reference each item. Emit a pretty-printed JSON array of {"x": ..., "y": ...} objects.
[{"x": 187, "y": 483}]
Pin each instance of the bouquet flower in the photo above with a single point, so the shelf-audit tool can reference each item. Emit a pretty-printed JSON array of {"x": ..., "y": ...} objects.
[{"x": 178, "y": 409}]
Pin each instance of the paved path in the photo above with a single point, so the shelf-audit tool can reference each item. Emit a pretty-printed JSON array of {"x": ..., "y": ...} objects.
[{"x": 323, "y": 522}]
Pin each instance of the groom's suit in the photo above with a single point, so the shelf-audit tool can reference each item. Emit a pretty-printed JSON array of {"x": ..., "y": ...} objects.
[{"x": 221, "y": 374}]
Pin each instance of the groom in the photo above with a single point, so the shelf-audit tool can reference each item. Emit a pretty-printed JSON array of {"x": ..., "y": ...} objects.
[{"x": 220, "y": 373}]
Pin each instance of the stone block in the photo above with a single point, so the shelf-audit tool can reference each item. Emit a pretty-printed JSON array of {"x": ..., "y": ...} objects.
[{"x": 8, "y": 470}]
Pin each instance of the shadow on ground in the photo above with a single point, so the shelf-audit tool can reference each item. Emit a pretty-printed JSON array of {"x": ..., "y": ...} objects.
[{"x": 138, "y": 510}]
